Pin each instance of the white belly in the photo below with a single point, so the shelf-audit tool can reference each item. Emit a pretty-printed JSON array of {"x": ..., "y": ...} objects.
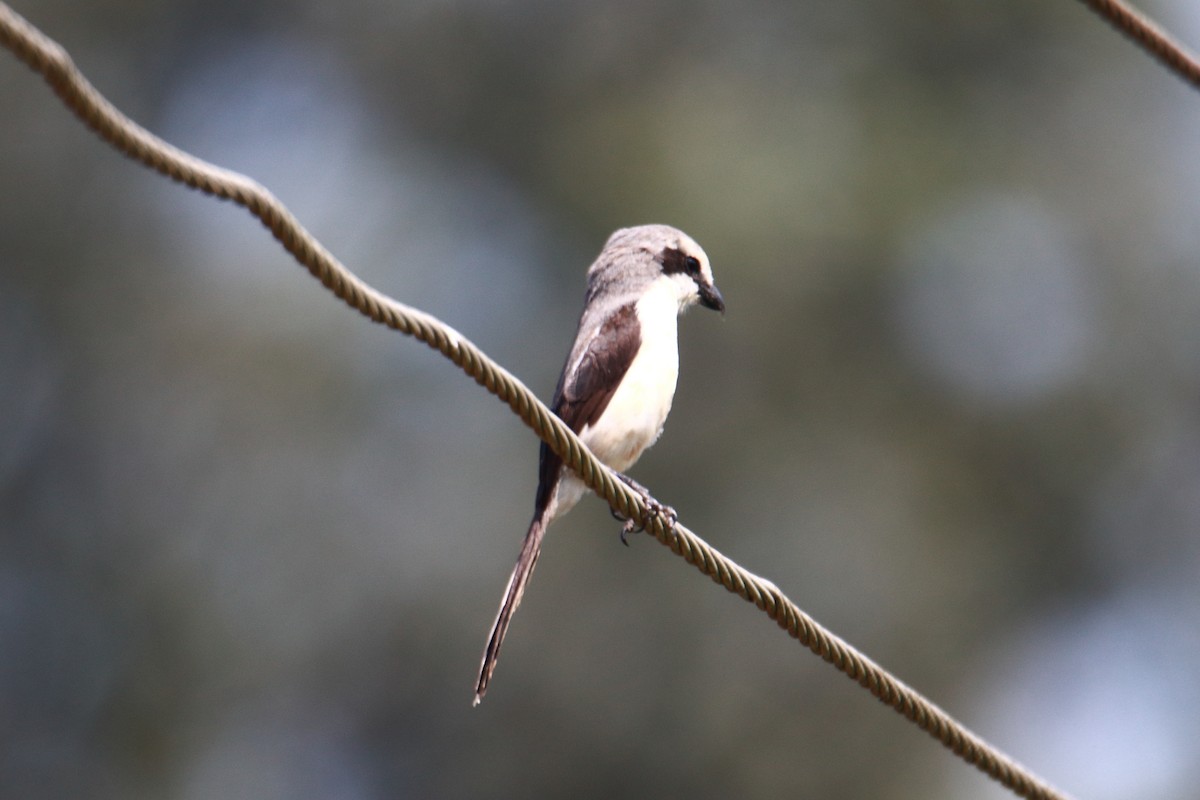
[{"x": 635, "y": 415}]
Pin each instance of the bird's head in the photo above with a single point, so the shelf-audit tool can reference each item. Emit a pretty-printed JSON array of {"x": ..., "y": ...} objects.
[{"x": 637, "y": 257}]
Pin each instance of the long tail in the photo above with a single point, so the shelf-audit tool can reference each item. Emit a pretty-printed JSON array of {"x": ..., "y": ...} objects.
[{"x": 530, "y": 549}]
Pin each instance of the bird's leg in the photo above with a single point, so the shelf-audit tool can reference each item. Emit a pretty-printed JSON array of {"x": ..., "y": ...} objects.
[{"x": 656, "y": 508}]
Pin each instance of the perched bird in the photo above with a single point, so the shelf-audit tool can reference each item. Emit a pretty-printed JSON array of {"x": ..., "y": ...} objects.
[{"x": 617, "y": 385}]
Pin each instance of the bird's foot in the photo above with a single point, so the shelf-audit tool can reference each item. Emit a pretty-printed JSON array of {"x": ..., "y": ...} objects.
[
  {"x": 629, "y": 527},
  {"x": 655, "y": 509}
]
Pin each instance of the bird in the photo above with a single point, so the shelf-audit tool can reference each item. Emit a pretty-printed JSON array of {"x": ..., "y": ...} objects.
[{"x": 617, "y": 384}]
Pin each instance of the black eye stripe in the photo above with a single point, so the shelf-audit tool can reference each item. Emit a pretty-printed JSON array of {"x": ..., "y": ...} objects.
[{"x": 675, "y": 261}]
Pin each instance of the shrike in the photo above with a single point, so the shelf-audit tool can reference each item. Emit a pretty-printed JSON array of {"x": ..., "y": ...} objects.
[{"x": 617, "y": 385}]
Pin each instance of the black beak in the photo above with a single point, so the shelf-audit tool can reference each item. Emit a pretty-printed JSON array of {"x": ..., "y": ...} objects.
[{"x": 710, "y": 297}]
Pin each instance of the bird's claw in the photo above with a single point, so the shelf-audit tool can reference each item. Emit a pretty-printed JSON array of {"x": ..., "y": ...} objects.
[
  {"x": 669, "y": 516},
  {"x": 654, "y": 509},
  {"x": 630, "y": 526}
]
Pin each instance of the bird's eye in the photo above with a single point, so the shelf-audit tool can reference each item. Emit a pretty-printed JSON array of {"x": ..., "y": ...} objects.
[{"x": 692, "y": 266}]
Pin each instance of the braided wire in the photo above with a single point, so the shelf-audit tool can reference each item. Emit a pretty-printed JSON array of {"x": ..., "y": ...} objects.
[
  {"x": 52, "y": 62},
  {"x": 1150, "y": 38}
]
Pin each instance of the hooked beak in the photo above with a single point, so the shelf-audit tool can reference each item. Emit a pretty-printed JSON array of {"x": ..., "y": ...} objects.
[{"x": 710, "y": 297}]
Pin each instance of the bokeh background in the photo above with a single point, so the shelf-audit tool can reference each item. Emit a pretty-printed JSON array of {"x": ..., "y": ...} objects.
[{"x": 250, "y": 544}]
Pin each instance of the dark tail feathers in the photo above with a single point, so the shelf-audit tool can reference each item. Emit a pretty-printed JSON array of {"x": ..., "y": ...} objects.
[{"x": 530, "y": 549}]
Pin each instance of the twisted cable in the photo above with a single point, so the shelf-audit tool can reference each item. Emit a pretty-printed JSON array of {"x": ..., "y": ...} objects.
[
  {"x": 51, "y": 61},
  {"x": 1148, "y": 36}
]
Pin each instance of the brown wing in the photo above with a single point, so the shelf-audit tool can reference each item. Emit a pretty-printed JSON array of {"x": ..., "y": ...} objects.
[{"x": 580, "y": 401}]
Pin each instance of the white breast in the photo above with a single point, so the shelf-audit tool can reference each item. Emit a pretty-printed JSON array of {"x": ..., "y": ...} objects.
[{"x": 635, "y": 415}]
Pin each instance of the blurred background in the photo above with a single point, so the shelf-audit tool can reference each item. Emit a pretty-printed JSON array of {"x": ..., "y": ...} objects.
[{"x": 250, "y": 544}]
